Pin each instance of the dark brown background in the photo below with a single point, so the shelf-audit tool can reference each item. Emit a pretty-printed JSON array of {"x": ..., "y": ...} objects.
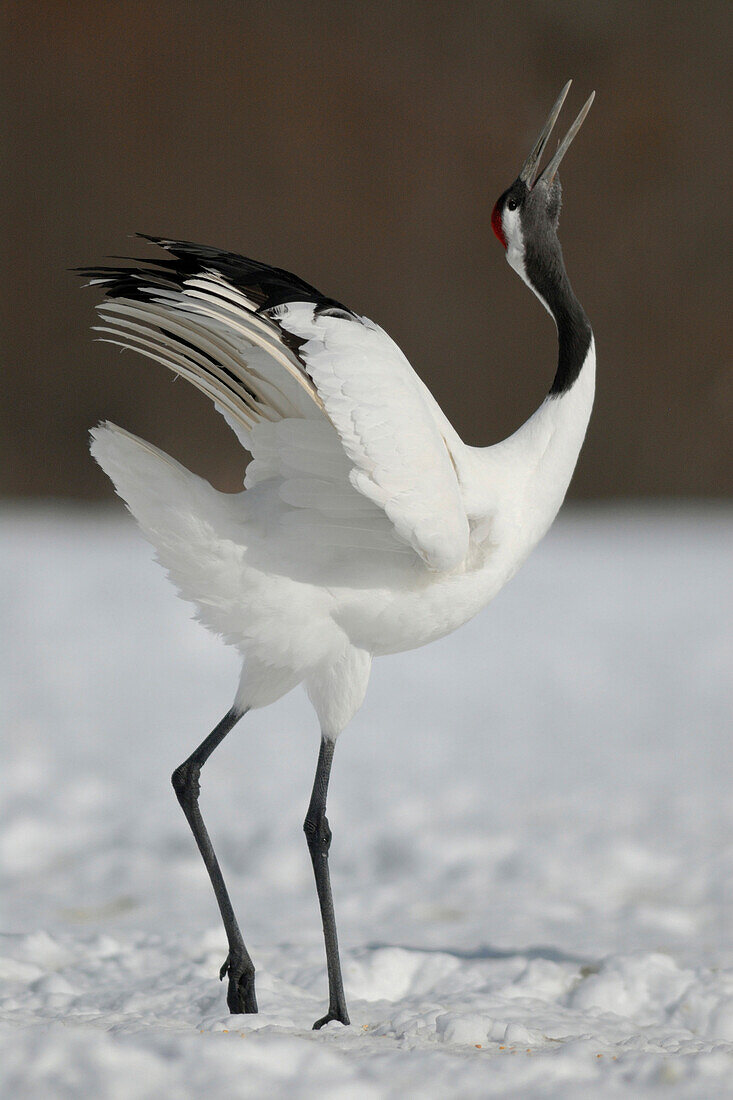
[{"x": 363, "y": 145}]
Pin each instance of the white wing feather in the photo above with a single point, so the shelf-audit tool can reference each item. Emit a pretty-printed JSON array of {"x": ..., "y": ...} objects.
[
  {"x": 388, "y": 430},
  {"x": 347, "y": 375}
]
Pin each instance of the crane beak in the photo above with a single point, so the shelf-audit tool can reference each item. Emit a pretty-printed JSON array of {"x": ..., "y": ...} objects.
[
  {"x": 529, "y": 168},
  {"x": 530, "y": 165},
  {"x": 550, "y": 171}
]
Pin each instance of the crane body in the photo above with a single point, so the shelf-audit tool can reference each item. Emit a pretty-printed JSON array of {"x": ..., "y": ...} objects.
[
  {"x": 221, "y": 552},
  {"x": 366, "y": 526}
]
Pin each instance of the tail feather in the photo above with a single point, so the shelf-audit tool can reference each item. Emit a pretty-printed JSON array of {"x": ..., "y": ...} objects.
[
  {"x": 184, "y": 518},
  {"x": 148, "y": 480}
]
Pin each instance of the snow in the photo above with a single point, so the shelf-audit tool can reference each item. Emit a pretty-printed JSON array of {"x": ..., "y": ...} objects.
[{"x": 533, "y": 834}]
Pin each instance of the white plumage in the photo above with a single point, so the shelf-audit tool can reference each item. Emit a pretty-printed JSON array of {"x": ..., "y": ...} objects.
[{"x": 366, "y": 526}]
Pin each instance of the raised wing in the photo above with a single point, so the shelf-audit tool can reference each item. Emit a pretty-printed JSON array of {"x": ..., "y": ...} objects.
[
  {"x": 374, "y": 400},
  {"x": 267, "y": 347}
]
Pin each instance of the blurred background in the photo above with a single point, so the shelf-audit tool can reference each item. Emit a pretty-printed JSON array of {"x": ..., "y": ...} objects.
[{"x": 363, "y": 146}]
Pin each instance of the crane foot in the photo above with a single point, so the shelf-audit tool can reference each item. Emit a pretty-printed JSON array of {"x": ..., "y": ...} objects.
[
  {"x": 241, "y": 992},
  {"x": 342, "y": 1018}
]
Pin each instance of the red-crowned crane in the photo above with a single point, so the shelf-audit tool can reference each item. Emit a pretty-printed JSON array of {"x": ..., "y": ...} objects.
[{"x": 366, "y": 526}]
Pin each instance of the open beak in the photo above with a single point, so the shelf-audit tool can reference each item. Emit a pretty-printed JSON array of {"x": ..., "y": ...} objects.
[{"x": 529, "y": 168}]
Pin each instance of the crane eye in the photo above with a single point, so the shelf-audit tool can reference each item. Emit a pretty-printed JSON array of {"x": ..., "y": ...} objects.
[{"x": 511, "y": 204}]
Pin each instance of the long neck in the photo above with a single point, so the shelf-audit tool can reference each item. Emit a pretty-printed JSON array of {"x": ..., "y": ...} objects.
[
  {"x": 544, "y": 272},
  {"x": 526, "y": 476}
]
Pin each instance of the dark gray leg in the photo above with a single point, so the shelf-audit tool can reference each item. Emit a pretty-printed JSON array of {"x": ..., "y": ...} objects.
[
  {"x": 318, "y": 835},
  {"x": 185, "y": 779}
]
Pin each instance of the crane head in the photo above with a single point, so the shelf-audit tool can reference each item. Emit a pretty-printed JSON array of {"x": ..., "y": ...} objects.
[{"x": 529, "y": 211}]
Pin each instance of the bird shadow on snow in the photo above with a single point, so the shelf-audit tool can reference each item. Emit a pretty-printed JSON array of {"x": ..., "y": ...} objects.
[{"x": 486, "y": 952}]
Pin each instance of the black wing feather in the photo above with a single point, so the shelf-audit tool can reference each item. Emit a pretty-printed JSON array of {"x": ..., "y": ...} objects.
[{"x": 266, "y": 286}]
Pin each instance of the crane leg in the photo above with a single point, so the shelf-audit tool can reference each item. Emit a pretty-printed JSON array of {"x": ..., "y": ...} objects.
[
  {"x": 185, "y": 780},
  {"x": 318, "y": 835}
]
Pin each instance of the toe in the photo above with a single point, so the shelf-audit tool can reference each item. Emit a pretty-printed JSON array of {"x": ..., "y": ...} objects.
[{"x": 342, "y": 1018}]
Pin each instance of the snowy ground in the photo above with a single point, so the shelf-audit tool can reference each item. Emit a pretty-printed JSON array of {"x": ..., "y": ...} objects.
[{"x": 533, "y": 835}]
